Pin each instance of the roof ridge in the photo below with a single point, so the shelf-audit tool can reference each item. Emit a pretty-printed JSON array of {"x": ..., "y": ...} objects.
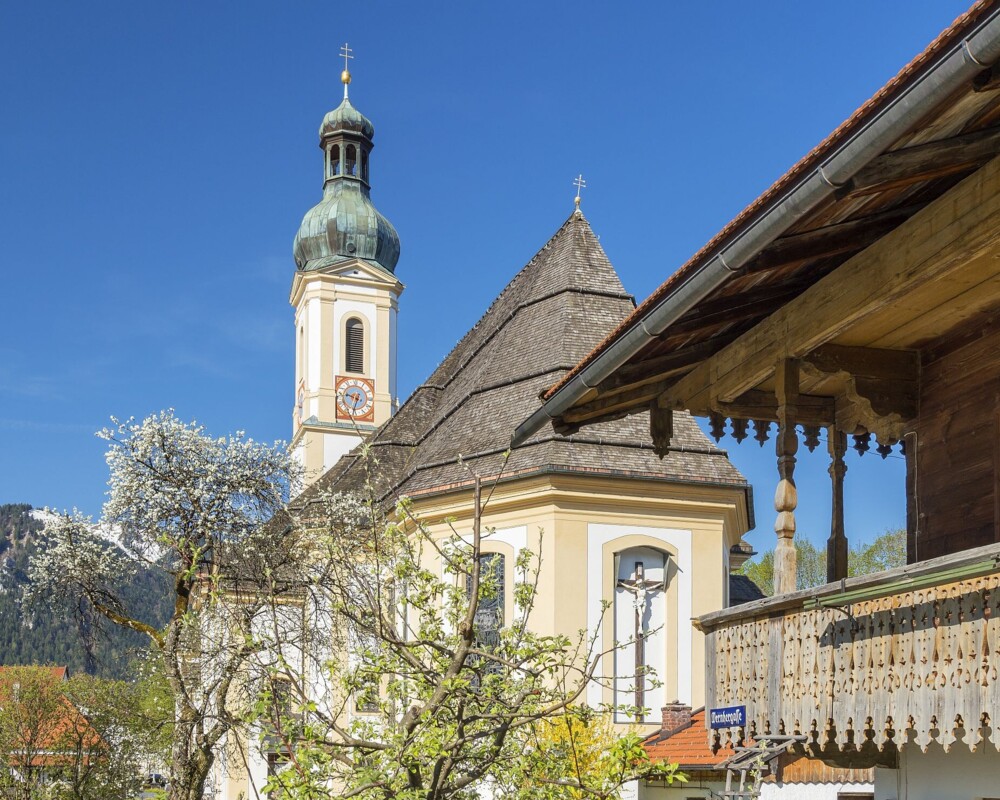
[
  {"x": 461, "y": 401},
  {"x": 506, "y": 320},
  {"x": 576, "y": 216}
]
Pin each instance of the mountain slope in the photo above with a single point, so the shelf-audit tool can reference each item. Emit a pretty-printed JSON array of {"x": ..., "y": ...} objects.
[{"x": 55, "y": 635}]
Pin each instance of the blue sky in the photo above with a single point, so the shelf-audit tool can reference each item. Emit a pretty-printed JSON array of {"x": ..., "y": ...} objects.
[{"x": 157, "y": 159}]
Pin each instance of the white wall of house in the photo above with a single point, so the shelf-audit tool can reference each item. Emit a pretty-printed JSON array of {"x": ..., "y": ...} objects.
[
  {"x": 957, "y": 775},
  {"x": 768, "y": 791},
  {"x": 811, "y": 791}
]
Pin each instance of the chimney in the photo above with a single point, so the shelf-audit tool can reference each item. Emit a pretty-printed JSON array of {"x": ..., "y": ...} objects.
[{"x": 676, "y": 715}]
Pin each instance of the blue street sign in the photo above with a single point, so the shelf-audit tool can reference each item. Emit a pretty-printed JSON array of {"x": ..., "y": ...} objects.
[{"x": 732, "y": 717}]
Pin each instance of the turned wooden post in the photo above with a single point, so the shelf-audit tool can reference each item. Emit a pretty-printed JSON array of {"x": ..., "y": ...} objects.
[
  {"x": 786, "y": 389},
  {"x": 836, "y": 545},
  {"x": 912, "y": 509}
]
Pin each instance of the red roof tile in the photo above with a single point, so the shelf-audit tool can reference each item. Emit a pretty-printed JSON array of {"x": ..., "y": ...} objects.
[
  {"x": 688, "y": 746},
  {"x": 70, "y": 728}
]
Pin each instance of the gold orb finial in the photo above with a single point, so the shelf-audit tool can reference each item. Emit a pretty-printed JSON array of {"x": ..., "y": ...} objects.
[
  {"x": 579, "y": 183},
  {"x": 345, "y": 76}
]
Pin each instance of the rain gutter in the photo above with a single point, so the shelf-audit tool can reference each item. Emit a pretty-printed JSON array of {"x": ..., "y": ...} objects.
[{"x": 976, "y": 52}]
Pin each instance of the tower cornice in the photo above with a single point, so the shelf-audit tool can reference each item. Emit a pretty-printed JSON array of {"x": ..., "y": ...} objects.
[{"x": 345, "y": 274}]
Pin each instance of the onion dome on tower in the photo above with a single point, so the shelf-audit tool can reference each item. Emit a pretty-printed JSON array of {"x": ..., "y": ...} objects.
[{"x": 345, "y": 225}]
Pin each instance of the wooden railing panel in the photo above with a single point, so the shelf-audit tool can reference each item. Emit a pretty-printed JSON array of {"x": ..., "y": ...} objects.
[{"x": 920, "y": 666}]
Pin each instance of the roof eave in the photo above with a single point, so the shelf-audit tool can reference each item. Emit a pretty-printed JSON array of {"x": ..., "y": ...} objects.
[{"x": 956, "y": 62}]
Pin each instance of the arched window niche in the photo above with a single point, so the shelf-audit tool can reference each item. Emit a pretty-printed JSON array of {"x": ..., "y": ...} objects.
[
  {"x": 364, "y": 165},
  {"x": 354, "y": 345},
  {"x": 334, "y": 161},
  {"x": 491, "y": 613},
  {"x": 351, "y": 160},
  {"x": 639, "y": 616}
]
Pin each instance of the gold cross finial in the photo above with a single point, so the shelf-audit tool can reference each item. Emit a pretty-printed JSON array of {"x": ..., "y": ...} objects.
[
  {"x": 579, "y": 183},
  {"x": 345, "y": 76}
]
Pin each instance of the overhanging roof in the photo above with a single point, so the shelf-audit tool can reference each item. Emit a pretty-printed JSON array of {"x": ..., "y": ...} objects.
[{"x": 929, "y": 127}]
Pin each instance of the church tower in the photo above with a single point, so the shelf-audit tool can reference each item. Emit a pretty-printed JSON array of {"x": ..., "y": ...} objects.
[{"x": 345, "y": 295}]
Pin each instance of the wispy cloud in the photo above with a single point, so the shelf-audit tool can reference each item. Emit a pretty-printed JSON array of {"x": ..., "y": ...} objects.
[
  {"x": 46, "y": 426},
  {"x": 58, "y": 384}
]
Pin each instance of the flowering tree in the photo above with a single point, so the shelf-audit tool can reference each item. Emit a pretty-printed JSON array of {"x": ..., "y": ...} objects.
[
  {"x": 361, "y": 648},
  {"x": 425, "y": 696},
  {"x": 198, "y": 509}
]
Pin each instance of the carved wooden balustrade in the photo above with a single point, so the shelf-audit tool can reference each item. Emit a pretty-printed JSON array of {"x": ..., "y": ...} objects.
[{"x": 907, "y": 655}]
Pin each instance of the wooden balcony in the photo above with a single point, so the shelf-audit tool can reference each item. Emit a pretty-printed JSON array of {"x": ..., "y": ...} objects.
[{"x": 910, "y": 655}]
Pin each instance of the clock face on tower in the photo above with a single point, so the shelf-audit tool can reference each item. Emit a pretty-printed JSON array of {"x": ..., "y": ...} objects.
[{"x": 355, "y": 399}]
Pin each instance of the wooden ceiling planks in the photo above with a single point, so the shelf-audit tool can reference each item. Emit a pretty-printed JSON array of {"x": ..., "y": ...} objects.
[{"x": 954, "y": 141}]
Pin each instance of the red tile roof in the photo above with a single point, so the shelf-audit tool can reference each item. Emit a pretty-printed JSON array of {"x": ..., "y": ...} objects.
[
  {"x": 59, "y": 673},
  {"x": 69, "y": 729},
  {"x": 687, "y": 746}
]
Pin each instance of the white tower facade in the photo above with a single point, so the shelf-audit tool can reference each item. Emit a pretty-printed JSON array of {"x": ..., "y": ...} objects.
[
  {"x": 345, "y": 360},
  {"x": 346, "y": 296}
]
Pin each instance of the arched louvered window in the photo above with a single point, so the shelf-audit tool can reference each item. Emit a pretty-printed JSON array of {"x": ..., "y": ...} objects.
[{"x": 355, "y": 348}]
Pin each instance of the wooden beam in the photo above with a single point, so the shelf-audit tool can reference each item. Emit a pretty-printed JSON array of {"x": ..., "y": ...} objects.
[
  {"x": 934, "y": 243},
  {"x": 836, "y": 544},
  {"x": 615, "y": 405},
  {"x": 756, "y": 302},
  {"x": 925, "y": 161},
  {"x": 913, "y": 525},
  {"x": 866, "y": 362},
  {"x": 844, "y": 237},
  {"x": 659, "y": 367},
  {"x": 756, "y": 404}
]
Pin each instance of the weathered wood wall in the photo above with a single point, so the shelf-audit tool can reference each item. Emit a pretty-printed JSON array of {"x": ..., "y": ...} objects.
[{"x": 958, "y": 443}]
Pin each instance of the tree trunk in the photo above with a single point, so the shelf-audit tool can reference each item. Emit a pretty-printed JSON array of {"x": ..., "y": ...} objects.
[
  {"x": 190, "y": 764},
  {"x": 190, "y": 772}
]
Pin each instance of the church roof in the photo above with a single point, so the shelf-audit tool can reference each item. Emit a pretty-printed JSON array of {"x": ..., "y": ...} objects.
[
  {"x": 345, "y": 224},
  {"x": 554, "y": 311},
  {"x": 742, "y": 590},
  {"x": 346, "y": 117}
]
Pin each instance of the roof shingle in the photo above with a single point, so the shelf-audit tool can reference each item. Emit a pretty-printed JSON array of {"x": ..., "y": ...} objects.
[{"x": 553, "y": 312}]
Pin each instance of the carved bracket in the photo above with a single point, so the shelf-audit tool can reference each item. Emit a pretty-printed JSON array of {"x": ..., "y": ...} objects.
[
  {"x": 661, "y": 428},
  {"x": 876, "y": 389}
]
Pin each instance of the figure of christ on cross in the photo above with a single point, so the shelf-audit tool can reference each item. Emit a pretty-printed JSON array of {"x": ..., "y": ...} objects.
[{"x": 640, "y": 589}]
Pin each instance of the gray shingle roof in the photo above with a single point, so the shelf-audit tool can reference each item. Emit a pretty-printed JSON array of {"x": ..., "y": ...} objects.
[
  {"x": 743, "y": 590},
  {"x": 554, "y": 311}
]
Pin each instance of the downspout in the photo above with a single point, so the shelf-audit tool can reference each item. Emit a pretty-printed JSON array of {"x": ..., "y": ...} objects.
[{"x": 975, "y": 53}]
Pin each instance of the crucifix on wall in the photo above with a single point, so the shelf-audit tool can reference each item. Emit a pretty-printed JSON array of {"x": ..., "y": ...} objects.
[{"x": 641, "y": 589}]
